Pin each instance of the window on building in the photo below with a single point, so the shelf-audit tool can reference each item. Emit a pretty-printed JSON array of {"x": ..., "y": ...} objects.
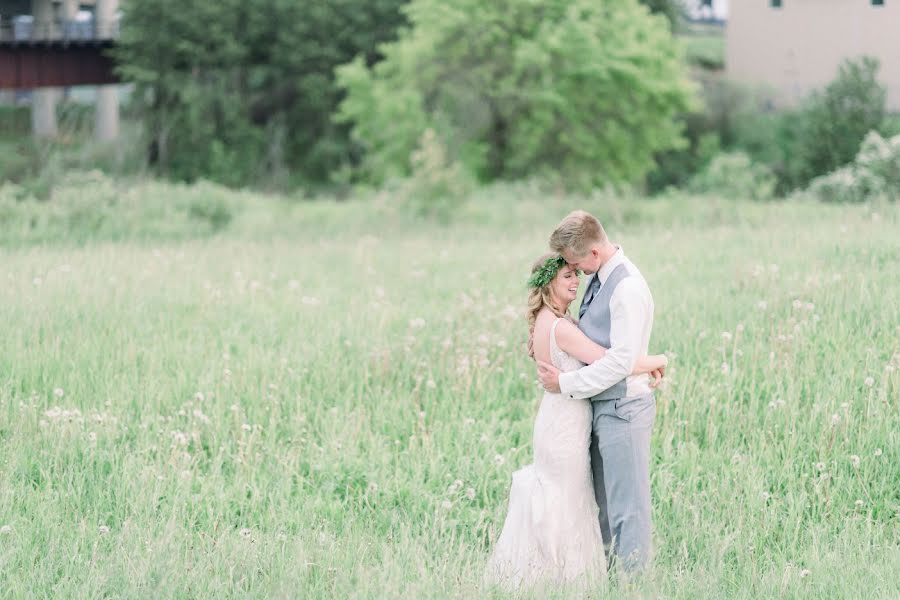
[
  {"x": 775, "y": 3},
  {"x": 877, "y": 2}
]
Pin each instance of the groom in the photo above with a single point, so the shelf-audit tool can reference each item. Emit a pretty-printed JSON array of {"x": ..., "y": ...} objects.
[{"x": 617, "y": 313}]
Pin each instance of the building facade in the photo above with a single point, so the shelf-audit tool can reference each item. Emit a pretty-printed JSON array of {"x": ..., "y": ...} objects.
[{"x": 793, "y": 47}]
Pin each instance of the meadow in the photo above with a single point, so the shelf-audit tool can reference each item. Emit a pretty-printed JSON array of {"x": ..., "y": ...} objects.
[{"x": 326, "y": 399}]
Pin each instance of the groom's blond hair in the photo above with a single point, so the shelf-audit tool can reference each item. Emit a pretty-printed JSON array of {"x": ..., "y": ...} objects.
[{"x": 577, "y": 232}]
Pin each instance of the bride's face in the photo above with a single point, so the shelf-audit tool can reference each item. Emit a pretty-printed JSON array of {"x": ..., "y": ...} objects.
[{"x": 564, "y": 287}]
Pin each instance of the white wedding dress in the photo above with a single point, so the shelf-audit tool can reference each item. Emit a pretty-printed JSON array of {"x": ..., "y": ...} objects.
[{"x": 551, "y": 535}]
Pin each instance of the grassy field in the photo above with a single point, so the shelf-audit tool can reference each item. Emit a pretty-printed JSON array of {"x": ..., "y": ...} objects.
[{"x": 327, "y": 399}]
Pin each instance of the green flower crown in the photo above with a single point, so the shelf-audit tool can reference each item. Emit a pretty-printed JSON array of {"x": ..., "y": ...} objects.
[{"x": 547, "y": 272}]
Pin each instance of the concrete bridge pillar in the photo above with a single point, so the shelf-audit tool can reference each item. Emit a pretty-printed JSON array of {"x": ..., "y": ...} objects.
[
  {"x": 68, "y": 10},
  {"x": 43, "y": 100},
  {"x": 106, "y": 113},
  {"x": 106, "y": 123},
  {"x": 43, "y": 112},
  {"x": 44, "y": 21},
  {"x": 105, "y": 16}
]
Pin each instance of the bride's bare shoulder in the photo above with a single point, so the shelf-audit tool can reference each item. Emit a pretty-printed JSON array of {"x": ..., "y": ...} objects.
[{"x": 544, "y": 319}]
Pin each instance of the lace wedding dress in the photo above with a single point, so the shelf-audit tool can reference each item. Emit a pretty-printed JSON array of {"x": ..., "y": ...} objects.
[{"x": 551, "y": 535}]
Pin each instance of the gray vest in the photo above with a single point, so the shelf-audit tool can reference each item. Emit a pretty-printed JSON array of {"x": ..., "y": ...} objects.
[{"x": 595, "y": 322}]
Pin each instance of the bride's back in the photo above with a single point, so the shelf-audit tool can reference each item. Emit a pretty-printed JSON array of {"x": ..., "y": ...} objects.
[{"x": 541, "y": 338}]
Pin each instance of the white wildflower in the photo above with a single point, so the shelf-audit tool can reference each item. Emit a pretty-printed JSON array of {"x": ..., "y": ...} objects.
[
  {"x": 499, "y": 460},
  {"x": 470, "y": 493},
  {"x": 103, "y": 530},
  {"x": 854, "y": 460},
  {"x": 6, "y": 530},
  {"x": 446, "y": 505},
  {"x": 870, "y": 381},
  {"x": 59, "y": 393},
  {"x": 804, "y": 573},
  {"x": 877, "y": 452},
  {"x": 430, "y": 384}
]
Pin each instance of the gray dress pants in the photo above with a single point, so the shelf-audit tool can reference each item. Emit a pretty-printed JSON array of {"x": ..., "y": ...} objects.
[{"x": 620, "y": 461}]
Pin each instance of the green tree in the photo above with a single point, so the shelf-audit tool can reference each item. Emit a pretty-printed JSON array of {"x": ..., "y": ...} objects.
[
  {"x": 671, "y": 9},
  {"x": 239, "y": 93},
  {"x": 583, "y": 89},
  {"x": 834, "y": 122}
]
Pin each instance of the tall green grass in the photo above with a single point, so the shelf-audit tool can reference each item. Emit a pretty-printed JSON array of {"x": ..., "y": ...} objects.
[{"x": 282, "y": 407}]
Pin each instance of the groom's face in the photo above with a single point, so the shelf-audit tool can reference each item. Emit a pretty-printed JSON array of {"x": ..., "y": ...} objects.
[{"x": 589, "y": 263}]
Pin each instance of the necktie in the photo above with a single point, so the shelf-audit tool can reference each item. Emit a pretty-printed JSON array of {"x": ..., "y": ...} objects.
[{"x": 593, "y": 287}]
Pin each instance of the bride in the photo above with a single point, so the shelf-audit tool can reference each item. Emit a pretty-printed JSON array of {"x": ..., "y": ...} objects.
[{"x": 551, "y": 535}]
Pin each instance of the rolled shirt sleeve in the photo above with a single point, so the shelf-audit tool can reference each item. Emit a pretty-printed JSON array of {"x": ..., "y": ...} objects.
[{"x": 628, "y": 308}]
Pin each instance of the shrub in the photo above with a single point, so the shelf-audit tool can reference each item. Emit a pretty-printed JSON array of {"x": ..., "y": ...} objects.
[
  {"x": 89, "y": 206},
  {"x": 438, "y": 186},
  {"x": 875, "y": 173},
  {"x": 834, "y": 122},
  {"x": 735, "y": 175}
]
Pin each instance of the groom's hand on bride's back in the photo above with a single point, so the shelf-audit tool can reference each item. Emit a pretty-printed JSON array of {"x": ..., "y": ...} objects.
[{"x": 549, "y": 376}]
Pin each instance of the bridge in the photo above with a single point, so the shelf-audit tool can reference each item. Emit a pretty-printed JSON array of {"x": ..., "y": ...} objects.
[{"x": 46, "y": 45}]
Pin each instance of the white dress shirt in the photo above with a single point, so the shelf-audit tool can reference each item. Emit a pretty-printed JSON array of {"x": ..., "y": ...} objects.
[{"x": 631, "y": 320}]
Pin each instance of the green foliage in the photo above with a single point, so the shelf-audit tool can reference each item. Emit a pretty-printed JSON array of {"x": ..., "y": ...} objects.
[
  {"x": 834, "y": 122},
  {"x": 89, "y": 206},
  {"x": 546, "y": 272},
  {"x": 706, "y": 51},
  {"x": 873, "y": 175},
  {"x": 581, "y": 91},
  {"x": 673, "y": 10},
  {"x": 820, "y": 135},
  {"x": 794, "y": 144},
  {"x": 242, "y": 94},
  {"x": 707, "y": 129},
  {"x": 437, "y": 186},
  {"x": 733, "y": 175}
]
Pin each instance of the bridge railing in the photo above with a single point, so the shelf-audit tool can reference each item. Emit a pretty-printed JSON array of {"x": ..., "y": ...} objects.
[{"x": 26, "y": 30}]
